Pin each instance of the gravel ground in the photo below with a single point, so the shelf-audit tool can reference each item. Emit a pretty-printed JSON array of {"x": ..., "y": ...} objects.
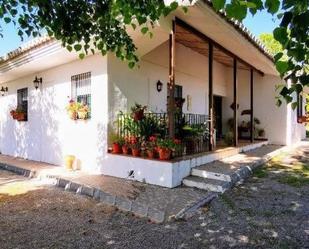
[{"x": 266, "y": 212}]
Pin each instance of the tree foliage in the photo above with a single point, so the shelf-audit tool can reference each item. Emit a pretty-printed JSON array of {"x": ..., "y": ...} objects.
[
  {"x": 273, "y": 46},
  {"x": 86, "y": 26}
]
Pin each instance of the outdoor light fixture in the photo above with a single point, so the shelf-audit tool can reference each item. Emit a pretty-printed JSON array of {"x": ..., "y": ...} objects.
[
  {"x": 159, "y": 86},
  {"x": 37, "y": 82},
  {"x": 4, "y": 90}
]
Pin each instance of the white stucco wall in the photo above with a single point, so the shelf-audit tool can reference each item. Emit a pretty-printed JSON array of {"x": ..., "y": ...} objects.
[
  {"x": 279, "y": 123},
  {"x": 49, "y": 134},
  {"x": 127, "y": 86}
]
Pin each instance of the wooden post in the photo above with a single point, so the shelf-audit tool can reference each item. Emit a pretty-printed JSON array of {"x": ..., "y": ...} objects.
[
  {"x": 251, "y": 107},
  {"x": 235, "y": 102},
  {"x": 210, "y": 96},
  {"x": 171, "y": 85}
]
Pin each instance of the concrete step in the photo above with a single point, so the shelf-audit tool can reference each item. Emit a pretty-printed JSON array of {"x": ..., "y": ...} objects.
[
  {"x": 206, "y": 184},
  {"x": 210, "y": 174}
]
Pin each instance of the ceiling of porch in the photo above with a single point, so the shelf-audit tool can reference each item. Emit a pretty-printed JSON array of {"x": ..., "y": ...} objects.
[{"x": 200, "y": 45}]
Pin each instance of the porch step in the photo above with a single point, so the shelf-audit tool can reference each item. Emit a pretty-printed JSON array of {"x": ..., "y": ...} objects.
[
  {"x": 206, "y": 184},
  {"x": 210, "y": 174}
]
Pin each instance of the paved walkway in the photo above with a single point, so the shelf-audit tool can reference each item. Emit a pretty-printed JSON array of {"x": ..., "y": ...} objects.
[{"x": 168, "y": 201}]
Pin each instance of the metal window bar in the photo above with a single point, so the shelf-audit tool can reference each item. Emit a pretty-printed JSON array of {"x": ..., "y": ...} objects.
[{"x": 81, "y": 89}]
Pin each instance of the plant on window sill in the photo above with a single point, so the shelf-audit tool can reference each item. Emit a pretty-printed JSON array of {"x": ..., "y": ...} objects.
[
  {"x": 18, "y": 114},
  {"x": 77, "y": 110}
]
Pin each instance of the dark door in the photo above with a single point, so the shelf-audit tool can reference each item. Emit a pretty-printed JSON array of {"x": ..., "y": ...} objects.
[{"x": 218, "y": 115}]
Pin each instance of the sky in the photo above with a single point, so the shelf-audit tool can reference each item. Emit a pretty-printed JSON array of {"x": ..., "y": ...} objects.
[{"x": 262, "y": 22}]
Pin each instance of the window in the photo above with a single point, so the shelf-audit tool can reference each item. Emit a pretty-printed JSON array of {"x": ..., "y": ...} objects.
[
  {"x": 299, "y": 105},
  {"x": 81, "y": 88},
  {"x": 22, "y": 101},
  {"x": 177, "y": 92}
]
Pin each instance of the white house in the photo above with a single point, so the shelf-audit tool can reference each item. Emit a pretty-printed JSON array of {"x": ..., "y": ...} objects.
[{"x": 211, "y": 56}]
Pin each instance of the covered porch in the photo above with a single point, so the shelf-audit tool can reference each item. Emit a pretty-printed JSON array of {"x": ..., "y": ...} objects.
[{"x": 220, "y": 121}]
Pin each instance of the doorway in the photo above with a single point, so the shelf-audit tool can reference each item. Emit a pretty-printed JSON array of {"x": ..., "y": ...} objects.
[{"x": 218, "y": 116}]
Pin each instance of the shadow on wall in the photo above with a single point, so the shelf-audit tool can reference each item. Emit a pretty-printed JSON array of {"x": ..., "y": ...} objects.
[
  {"x": 35, "y": 139},
  {"x": 51, "y": 149},
  {"x": 102, "y": 145}
]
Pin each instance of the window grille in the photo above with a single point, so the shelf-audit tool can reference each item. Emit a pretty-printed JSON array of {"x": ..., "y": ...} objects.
[{"x": 81, "y": 89}]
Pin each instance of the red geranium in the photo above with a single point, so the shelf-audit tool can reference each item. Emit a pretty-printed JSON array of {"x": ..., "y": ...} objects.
[{"x": 152, "y": 138}]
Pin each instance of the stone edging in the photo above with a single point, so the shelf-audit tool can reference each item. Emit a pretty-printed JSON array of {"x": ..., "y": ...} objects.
[{"x": 121, "y": 203}]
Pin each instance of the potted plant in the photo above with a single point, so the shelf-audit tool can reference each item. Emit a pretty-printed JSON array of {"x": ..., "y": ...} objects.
[
  {"x": 261, "y": 133},
  {"x": 166, "y": 146},
  {"x": 138, "y": 112},
  {"x": 72, "y": 109},
  {"x": 13, "y": 114},
  {"x": 229, "y": 138},
  {"x": 151, "y": 147},
  {"x": 77, "y": 110},
  {"x": 118, "y": 142},
  {"x": 135, "y": 146},
  {"x": 82, "y": 111},
  {"x": 18, "y": 114}
]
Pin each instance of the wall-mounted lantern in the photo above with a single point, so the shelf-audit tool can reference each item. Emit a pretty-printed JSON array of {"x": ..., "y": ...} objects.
[
  {"x": 159, "y": 86},
  {"x": 4, "y": 90},
  {"x": 37, "y": 82}
]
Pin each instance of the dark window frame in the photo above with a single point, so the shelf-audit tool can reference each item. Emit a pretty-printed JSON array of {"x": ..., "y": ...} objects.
[
  {"x": 22, "y": 100},
  {"x": 300, "y": 109}
]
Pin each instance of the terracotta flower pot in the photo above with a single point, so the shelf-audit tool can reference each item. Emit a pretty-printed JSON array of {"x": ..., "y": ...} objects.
[
  {"x": 165, "y": 154},
  {"x": 117, "y": 148},
  {"x": 151, "y": 154},
  {"x": 136, "y": 152},
  {"x": 15, "y": 115},
  {"x": 21, "y": 117},
  {"x": 125, "y": 150}
]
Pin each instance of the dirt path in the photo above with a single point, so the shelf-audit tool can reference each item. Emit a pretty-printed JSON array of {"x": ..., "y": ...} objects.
[{"x": 271, "y": 210}]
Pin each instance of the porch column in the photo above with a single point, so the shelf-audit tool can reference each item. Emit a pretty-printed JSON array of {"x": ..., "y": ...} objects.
[
  {"x": 171, "y": 85},
  {"x": 235, "y": 130},
  {"x": 211, "y": 97},
  {"x": 251, "y": 107}
]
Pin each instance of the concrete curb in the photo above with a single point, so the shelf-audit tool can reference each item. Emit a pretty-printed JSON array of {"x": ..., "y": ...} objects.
[
  {"x": 123, "y": 204},
  {"x": 17, "y": 170},
  {"x": 237, "y": 177}
]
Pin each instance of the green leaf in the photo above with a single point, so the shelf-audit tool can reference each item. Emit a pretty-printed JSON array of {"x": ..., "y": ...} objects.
[
  {"x": 272, "y": 6},
  {"x": 281, "y": 35},
  {"x": 82, "y": 56},
  {"x": 144, "y": 30},
  {"x": 69, "y": 48},
  {"x": 294, "y": 105},
  {"x": 282, "y": 66},
  {"x": 218, "y": 4},
  {"x": 278, "y": 56},
  {"x": 7, "y": 19},
  {"x": 174, "y": 5},
  {"x": 131, "y": 64},
  {"x": 77, "y": 47},
  {"x": 236, "y": 11}
]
